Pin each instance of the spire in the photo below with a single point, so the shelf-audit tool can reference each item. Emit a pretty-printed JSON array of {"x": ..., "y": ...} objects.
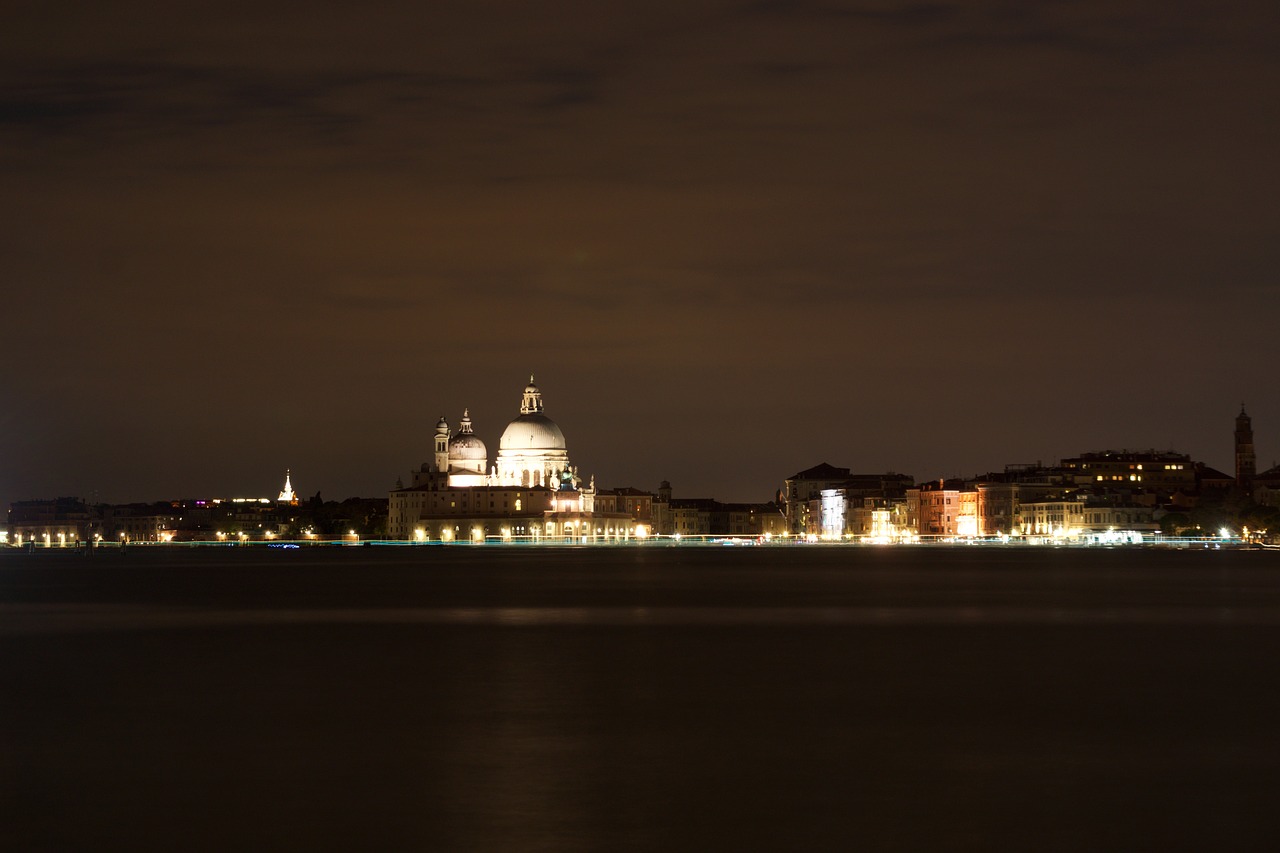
[
  {"x": 287, "y": 495},
  {"x": 465, "y": 427}
]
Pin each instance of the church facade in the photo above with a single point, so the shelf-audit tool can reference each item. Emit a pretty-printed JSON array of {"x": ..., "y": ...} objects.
[{"x": 530, "y": 492}]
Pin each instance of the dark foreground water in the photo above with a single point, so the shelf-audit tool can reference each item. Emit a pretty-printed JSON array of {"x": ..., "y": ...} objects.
[{"x": 640, "y": 699}]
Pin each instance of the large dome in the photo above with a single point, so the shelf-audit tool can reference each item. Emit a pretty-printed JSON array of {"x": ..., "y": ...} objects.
[{"x": 532, "y": 432}]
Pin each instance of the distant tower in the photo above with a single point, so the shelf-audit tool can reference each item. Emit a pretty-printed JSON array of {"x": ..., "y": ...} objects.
[
  {"x": 286, "y": 495},
  {"x": 1246, "y": 461},
  {"x": 442, "y": 444}
]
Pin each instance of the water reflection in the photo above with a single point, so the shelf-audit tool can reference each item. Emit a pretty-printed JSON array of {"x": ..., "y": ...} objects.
[{"x": 567, "y": 705}]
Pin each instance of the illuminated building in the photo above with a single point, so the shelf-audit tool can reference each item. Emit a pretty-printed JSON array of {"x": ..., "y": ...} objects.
[
  {"x": 1149, "y": 469},
  {"x": 1058, "y": 518},
  {"x": 802, "y": 494},
  {"x": 61, "y": 522},
  {"x": 879, "y": 519},
  {"x": 710, "y": 517},
  {"x": 801, "y": 489},
  {"x": 141, "y": 522},
  {"x": 532, "y": 492},
  {"x": 532, "y": 449},
  {"x": 934, "y": 509},
  {"x": 1104, "y": 517},
  {"x": 635, "y": 503},
  {"x": 999, "y": 495},
  {"x": 286, "y": 494}
]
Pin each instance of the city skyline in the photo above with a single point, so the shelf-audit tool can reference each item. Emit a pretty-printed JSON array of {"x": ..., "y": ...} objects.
[
  {"x": 731, "y": 239},
  {"x": 433, "y": 459}
]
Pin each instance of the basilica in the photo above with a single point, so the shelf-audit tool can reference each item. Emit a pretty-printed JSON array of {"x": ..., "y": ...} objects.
[{"x": 529, "y": 492}]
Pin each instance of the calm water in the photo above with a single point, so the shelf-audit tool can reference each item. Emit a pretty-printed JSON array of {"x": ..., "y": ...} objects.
[{"x": 640, "y": 699}]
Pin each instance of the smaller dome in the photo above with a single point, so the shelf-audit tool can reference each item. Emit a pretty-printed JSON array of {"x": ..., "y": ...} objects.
[{"x": 467, "y": 446}]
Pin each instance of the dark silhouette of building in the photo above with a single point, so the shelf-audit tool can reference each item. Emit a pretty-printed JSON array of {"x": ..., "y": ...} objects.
[{"x": 1246, "y": 460}]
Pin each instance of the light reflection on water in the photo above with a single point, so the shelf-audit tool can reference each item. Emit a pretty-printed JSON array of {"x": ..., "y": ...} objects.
[
  {"x": 642, "y": 702},
  {"x": 43, "y": 619}
]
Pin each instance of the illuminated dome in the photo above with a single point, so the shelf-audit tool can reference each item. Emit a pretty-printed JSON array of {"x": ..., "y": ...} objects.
[
  {"x": 466, "y": 446},
  {"x": 532, "y": 449},
  {"x": 532, "y": 432}
]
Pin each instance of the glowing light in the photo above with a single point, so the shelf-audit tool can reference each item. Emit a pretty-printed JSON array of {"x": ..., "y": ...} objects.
[{"x": 641, "y": 531}]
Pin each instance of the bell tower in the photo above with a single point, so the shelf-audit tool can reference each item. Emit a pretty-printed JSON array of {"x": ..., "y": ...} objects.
[
  {"x": 1246, "y": 460},
  {"x": 442, "y": 444}
]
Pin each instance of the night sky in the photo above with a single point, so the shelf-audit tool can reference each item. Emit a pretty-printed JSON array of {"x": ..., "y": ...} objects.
[{"x": 731, "y": 239}]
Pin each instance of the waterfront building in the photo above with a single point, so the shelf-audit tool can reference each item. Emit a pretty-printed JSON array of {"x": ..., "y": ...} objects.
[
  {"x": 60, "y": 522},
  {"x": 635, "y": 503},
  {"x": 878, "y": 519},
  {"x": 937, "y": 509},
  {"x": 1166, "y": 471},
  {"x": 802, "y": 489},
  {"x": 1102, "y": 518},
  {"x": 140, "y": 522},
  {"x": 663, "y": 523},
  {"x": 709, "y": 517},
  {"x": 532, "y": 491},
  {"x": 998, "y": 495},
  {"x": 802, "y": 495},
  {"x": 1266, "y": 487},
  {"x": 1062, "y": 517}
]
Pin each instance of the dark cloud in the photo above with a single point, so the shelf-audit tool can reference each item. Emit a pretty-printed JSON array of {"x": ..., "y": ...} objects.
[{"x": 914, "y": 236}]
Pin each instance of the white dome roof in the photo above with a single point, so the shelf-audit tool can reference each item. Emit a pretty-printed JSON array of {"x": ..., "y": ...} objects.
[
  {"x": 467, "y": 445},
  {"x": 532, "y": 432}
]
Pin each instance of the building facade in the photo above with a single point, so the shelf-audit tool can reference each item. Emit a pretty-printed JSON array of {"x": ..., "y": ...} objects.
[{"x": 531, "y": 493}]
